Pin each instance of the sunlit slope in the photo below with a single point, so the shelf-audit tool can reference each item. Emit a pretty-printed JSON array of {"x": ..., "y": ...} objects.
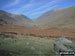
[{"x": 60, "y": 18}]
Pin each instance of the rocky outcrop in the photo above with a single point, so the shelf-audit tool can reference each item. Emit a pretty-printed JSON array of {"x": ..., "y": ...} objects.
[{"x": 63, "y": 44}]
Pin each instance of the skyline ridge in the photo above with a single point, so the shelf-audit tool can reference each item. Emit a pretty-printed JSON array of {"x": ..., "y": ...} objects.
[
  {"x": 38, "y": 16},
  {"x": 33, "y": 8}
]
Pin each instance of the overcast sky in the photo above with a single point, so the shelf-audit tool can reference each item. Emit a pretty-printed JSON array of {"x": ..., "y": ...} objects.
[{"x": 33, "y": 8}]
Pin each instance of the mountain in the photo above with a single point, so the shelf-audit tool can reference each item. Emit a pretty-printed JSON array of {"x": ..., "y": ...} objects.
[
  {"x": 8, "y": 18},
  {"x": 58, "y": 18},
  {"x": 63, "y": 18}
]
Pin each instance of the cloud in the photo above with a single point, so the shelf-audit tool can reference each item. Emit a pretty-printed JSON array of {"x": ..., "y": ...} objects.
[
  {"x": 33, "y": 8},
  {"x": 24, "y": 7},
  {"x": 35, "y": 12},
  {"x": 12, "y": 3},
  {"x": 43, "y": 11},
  {"x": 28, "y": 5},
  {"x": 50, "y": 4}
]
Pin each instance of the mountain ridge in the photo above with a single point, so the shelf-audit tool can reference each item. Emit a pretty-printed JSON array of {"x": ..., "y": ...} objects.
[
  {"x": 54, "y": 18},
  {"x": 57, "y": 17},
  {"x": 16, "y": 19}
]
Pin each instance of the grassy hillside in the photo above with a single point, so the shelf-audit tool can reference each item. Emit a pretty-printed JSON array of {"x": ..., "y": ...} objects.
[{"x": 58, "y": 18}]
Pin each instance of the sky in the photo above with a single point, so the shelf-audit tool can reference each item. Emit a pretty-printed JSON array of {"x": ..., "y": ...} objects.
[{"x": 33, "y": 8}]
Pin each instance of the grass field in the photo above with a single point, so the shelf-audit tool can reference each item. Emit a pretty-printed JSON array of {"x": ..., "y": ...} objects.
[{"x": 28, "y": 46}]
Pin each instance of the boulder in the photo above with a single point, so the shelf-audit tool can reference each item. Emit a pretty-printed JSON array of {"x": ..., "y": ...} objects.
[{"x": 63, "y": 44}]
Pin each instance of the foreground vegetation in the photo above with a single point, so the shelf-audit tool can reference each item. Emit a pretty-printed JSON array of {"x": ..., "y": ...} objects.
[{"x": 27, "y": 46}]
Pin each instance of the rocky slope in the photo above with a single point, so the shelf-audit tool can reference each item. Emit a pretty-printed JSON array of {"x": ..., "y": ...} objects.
[{"x": 15, "y": 19}]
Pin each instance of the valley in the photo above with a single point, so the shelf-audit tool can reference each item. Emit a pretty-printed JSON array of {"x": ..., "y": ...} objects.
[{"x": 22, "y": 36}]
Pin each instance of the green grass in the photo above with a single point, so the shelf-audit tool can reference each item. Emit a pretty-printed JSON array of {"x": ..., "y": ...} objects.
[{"x": 26, "y": 47}]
